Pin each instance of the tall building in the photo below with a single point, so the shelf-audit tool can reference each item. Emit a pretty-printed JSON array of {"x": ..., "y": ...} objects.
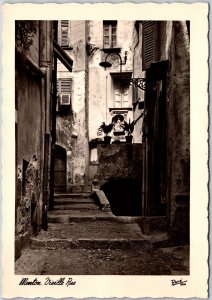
[
  {"x": 35, "y": 86},
  {"x": 91, "y": 95}
]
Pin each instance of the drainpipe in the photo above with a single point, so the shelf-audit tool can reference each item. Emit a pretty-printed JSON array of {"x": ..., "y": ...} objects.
[
  {"x": 53, "y": 120},
  {"x": 86, "y": 105},
  {"x": 45, "y": 65}
]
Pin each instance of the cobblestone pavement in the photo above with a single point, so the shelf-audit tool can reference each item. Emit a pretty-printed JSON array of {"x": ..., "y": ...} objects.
[
  {"x": 89, "y": 241},
  {"x": 145, "y": 261}
]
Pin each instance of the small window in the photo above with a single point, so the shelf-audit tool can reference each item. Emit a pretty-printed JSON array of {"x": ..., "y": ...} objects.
[
  {"x": 150, "y": 43},
  {"x": 110, "y": 34},
  {"x": 120, "y": 93},
  {"x": 64, "y": 33},
  {"x": 64, "y": 90}
]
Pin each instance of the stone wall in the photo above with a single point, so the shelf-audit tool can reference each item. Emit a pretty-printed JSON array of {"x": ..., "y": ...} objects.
[
  {"x": 178, "y": 133},
  {"x": 119, "y": 175}
]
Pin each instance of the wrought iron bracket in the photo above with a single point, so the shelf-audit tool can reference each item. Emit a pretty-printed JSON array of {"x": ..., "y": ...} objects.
[
  {"x": 90, "y": 48},
  {"x": 139, "y": 83}
]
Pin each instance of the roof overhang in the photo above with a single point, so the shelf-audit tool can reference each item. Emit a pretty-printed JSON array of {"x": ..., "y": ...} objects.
[{"x": 62, "y": 56}]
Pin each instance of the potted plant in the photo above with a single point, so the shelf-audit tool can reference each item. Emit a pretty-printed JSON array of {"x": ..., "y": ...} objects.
[
  {"x": 106, "y": 129},
  {"x": 129, "y": 128}
]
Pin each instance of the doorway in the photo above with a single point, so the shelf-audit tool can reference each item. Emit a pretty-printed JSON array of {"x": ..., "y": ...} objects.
[{"x": 60, "y": 168}]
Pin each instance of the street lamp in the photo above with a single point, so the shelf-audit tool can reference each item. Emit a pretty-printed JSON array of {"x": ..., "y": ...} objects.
[
  {"x": 137, "y": 82},
  {"x": 106, "y": 64}
]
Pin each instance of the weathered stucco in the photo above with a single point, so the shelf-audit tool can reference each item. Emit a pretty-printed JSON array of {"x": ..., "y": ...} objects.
[
  {"x": 179, "y": 132},
  {"x": 33, "y": 121},
  {"x": 119, "y": 174},
  {"x": 71, "y": 128},
  {"x": 166, "y": 128},
  {"x": 100, "y": 80}
]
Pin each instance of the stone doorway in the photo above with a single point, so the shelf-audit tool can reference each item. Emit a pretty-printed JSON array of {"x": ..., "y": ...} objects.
[{"x": 60, "y": 168}]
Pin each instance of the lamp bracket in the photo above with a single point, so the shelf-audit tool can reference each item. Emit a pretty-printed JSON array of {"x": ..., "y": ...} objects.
[
  {"x": 139, "y": 83},
  {"x": 91, "y": 48}
]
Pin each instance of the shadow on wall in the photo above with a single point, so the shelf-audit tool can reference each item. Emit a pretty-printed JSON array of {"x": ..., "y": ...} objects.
[{"x": 124, "y": 195}]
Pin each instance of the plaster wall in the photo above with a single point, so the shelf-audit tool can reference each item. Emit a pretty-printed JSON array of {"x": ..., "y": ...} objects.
[
  {"x": 71, "y": 128},
  {"x": 178, "y": 131},
  {"x": 100, "y": 80},
  {"x": 29, "y": 149}
]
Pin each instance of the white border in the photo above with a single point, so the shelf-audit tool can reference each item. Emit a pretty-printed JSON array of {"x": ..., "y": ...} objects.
[{"x": 115, "y": 286}]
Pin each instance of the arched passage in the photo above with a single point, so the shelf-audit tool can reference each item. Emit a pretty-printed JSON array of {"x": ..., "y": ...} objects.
[{"x": 60, "y": 168}]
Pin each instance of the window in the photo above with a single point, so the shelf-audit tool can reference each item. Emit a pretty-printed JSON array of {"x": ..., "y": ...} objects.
[
  {"x": 110, "y": 34},
  {"x": 64, "y": 89},
  {"x": 64, "y": 33},
  {"x": 150, "y": 43},
  {"x": 121, "y": 93}
]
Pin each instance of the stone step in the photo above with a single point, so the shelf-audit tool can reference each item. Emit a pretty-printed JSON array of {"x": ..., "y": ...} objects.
[
  {"x": 62, "y": 201},
  {"x": 93, "y": 230},
  {"x": 52, "y": 244},
  {"x": 90, "y": 235},
  {"x": 72, "y": 195},
  {"x": 79, "y": 216},
  {"x": 79, "y": 206},
  {"x": 74, "y": 211},
  {"x": 74, "y": 188},
  {"x": 77, "y": 188}
]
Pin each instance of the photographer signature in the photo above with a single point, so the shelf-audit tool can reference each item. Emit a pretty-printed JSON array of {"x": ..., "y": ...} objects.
[{"x": 178, "y": 282}]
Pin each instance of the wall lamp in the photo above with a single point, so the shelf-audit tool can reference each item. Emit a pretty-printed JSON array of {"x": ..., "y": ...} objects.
[
  {"x": 137, "y": 82},
  {"x": 106, "y": 64}
]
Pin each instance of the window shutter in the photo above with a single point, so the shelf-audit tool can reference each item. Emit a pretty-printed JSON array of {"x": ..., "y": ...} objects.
[
  {"x": 64, "y": 90},
  {"x": 64, "y": 33},
  {"x": 150, "y": 43}
]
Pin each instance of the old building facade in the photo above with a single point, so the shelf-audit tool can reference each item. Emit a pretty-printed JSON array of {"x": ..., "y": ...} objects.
[
  {"x": 35, "y": 82},
  {"x": 96, "y": 95},
  {"x": 165, "y": 69}
]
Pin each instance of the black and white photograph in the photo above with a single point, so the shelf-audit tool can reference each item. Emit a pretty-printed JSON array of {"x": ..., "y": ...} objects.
[{"x": 102, "y": 140}]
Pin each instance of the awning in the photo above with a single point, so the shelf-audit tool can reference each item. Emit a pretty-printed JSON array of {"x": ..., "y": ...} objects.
[{"x": 62, "y": 56}]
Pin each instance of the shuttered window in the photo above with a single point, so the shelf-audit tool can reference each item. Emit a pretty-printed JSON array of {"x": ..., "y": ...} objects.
[
  {"x": 64, "y": 33},
  {"x": 150, "y": 49},
  {"x": 110, "y": 34},
  {"x": 64, "y": 87}
]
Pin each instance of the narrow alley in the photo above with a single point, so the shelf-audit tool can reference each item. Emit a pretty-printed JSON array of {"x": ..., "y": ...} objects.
[{"x": 102, "y": 133}]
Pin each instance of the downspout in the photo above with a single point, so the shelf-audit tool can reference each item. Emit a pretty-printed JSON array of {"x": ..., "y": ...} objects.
[
  {"x": 86, "y": 106},
  {"x": 53, "y": 120},
  {"x": 45, "y": 63}
]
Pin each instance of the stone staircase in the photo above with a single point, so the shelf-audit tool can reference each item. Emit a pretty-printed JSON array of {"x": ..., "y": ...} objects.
[
  {"x": 74, "y": 207},
  {"x": 79, "y": 221}
]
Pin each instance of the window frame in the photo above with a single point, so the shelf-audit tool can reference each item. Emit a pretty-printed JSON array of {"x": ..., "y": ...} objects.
[
  {"x": 64, "y": 90},
  {"x": 112, "y": 37}
]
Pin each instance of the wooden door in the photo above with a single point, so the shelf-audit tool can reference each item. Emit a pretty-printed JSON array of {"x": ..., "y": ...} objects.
[{"x": 60, "y": 168}]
